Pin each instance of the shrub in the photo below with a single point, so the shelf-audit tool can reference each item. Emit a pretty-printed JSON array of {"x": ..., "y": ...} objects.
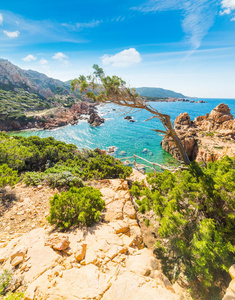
[
  {"x": 5, "y": 283},
  {"x": 34, "y": 178},
  {"x": 5, "y": 279},
  {"x": 7, "y": 176},
  {"x": 77, "y": 206},
  {"x": 36, "y": 154},
  {"x": 63, "y": 179},
  {"x": 195, "y": 209},
  {"x": 147, "y": 223}
]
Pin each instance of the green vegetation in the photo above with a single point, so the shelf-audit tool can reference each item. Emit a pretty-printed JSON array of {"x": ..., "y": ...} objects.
[
  {"x": 14, "y": 104},
  {"x": 33, "y": 153},
  {"x": 77, "y": 206},
  {"x": 197, "y": 222},
  {"x": 155, "y": 99},
  {"x": 58, "y": 163},
  {"x": 147, "y": 223},
  {"x": 210, "y": 134},
  {"x": 7, "y": 176},
  {"x": 158, "y": 92},
  {"x": 5, "y": 282}
]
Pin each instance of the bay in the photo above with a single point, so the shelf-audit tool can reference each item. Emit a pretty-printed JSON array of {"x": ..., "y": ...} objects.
[{"x": 129, "y": 138}]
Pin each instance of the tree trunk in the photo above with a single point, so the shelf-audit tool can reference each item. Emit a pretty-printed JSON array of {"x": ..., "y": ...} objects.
[{"x": 179, "y": 145}]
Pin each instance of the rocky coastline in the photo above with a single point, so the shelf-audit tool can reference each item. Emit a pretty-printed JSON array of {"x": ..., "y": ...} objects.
[
  {"x": 207, "y": 138},
  {"x": 60, "y": 117},
  {"x": 170, "y": 99}
]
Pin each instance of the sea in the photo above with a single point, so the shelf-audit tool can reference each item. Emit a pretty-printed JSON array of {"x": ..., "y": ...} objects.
[{"x": 129, "y": 138}]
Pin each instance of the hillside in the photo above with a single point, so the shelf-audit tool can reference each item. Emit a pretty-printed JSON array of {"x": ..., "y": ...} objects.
[
  {"x": 25, "y": 92},
  {"x": 13, "y": 77},
  {"x": 158, "y": 92},
  {"x": 80, "y": 225}
]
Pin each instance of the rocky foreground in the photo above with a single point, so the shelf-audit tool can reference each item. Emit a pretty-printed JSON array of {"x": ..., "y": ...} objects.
[
  {"x": 207, "y": 138},
  {"x": 107, "y": 261}
]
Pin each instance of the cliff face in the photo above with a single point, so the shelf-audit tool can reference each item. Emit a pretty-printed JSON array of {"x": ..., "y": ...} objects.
[
  {"x": 207, "y": 138},
  {"x": 13, "y": 77}
]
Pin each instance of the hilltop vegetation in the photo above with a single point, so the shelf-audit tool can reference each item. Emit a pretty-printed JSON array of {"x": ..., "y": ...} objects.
[
  {"x": 15, "y": 104},
  {"x": 24, "y": 91},
  {"x": 158, "y": 92}
]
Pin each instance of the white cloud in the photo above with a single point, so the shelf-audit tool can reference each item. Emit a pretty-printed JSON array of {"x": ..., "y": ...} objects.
[
  {"x": 226, "y": 11},
  {"x": 233, "y": 19},
  {"x": 198, "y": 15},
  {"x": 60, "y": 56},
  {"x": 228, "y": 4},
  {"x": 11, "y": 34},
  {"x": 79, "y": 26},
  {"x": 124, "y": 58},
  {"x": 43, "y": 61},
  {"x": 91, "y": 24},
  {"x": 1, "y": 19},
  {"x": 227, "y": 7},
  {"x": 29, "y": 58}
]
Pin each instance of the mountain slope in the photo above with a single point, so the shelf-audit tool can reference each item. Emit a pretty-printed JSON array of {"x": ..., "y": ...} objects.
[
  {"x": 13, "y": 77},
  {"x": 158, "y": 92}
]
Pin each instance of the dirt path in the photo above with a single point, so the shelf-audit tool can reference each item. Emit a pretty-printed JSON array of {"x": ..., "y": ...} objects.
[{"x": 26, "y": 213}]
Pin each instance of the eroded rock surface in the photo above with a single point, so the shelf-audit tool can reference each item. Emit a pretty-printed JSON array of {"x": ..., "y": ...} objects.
[
  {"x": 106, "y": 261},
  {"x": 95, "y": 119},
  {"x": 207, "y": 138},
  {"x": 230, "y": 292}
]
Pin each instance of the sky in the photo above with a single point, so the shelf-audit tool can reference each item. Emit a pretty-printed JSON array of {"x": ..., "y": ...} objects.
[{"x": 183, "y": 45}]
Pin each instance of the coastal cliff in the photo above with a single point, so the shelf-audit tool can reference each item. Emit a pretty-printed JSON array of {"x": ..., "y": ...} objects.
[{"x": 207, "y": 138}]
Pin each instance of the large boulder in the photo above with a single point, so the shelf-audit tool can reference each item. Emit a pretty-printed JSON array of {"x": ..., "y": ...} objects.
[
  {"x": 95, "y": 119},
  {"x": 221, "y": 113}
]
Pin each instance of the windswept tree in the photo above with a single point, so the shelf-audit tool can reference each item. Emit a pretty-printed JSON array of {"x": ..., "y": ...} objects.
[{"x": 106, "y": 89}]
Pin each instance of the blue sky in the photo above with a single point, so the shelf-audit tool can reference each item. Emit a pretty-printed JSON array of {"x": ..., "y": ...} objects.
[{"x": 183, "y": 45}]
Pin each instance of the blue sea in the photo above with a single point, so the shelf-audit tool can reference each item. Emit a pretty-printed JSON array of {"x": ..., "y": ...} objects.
[{"x": 130, "y": 138}]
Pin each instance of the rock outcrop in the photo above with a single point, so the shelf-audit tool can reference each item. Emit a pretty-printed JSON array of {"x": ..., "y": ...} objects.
[
  {"x": 207, "y": 138},
  {"x": 95, "y": 119},
  {"x": 230, "y": 292},
  {"x": 106, "y": 261}
]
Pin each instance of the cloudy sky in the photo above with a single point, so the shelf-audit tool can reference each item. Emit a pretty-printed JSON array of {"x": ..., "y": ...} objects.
[{"x": 184, "y": 45}]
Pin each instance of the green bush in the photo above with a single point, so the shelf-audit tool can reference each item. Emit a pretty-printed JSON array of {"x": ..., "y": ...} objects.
[
  {"x": 36, "y": 154},
  {"x": 63, "y": 179},
  {"x": 147, "y": 223},
  {"x": 195, "y": 209},
  {"x": 60, "y": 179},
  {"x": 77, "y": 206},
  {"x": 14, "y": 296},
  {"x": 5, "y": 279},
  {"x": 5, "y": 283},
  {"x": 33, "y": 153},
  {"x": 34, "y": 178},
  {"x": 7, "y": 176}
]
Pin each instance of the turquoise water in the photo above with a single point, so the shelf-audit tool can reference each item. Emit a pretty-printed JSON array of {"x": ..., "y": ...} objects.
[{"x": 132, "y": 138}]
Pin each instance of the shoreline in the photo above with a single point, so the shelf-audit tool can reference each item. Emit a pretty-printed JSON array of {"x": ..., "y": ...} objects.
[
  {"x": 69, "y": 116},
  {"x": 64, "y": 116}
]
